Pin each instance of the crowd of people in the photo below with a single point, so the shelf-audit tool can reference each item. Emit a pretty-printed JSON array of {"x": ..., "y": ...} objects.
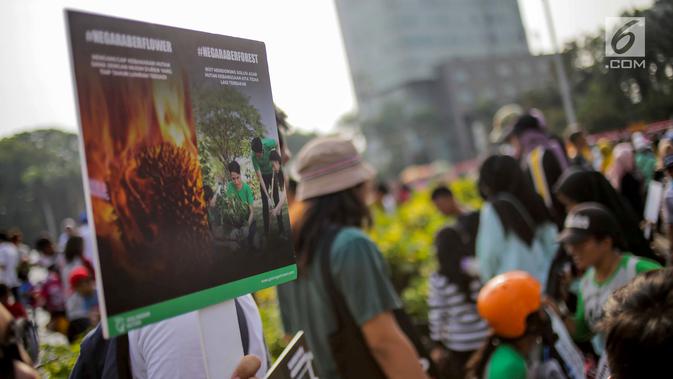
[
  {"x": 558, "y": 275},
  {"x": 533, "y": 284},
  {"x": 58, "y": 278}
]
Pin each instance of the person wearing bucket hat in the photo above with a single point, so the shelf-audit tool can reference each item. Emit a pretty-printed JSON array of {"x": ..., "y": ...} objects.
[
  {"x": 593, "y": 239},
  {"x": 343, "y": 292}
]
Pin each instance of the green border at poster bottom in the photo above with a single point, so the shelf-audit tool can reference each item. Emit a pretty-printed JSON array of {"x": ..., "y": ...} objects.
[{"x": 137, "y": 318}]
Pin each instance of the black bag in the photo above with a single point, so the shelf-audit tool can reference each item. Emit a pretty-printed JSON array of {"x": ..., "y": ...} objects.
[
  {"x": 349, "y": 349},
  {"x": 348, "y": 346}
]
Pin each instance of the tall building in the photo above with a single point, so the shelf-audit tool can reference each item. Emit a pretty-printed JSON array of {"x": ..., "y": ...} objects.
[
  {"x": 394, "y": 46},
  {"x": 423, "y": 71}
]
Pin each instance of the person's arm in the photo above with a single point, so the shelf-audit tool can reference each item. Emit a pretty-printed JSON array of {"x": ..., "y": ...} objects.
[
  {"x": 251, "y": 215},
  {"x": 391, "y": 348},
  {"x": 577, "y": 326},
  {"x": 281, "y": 202},
  {"x": 250, "y": 198},
  {"x": 489, "y": 243},
  {"x": 262, "y": 183}
]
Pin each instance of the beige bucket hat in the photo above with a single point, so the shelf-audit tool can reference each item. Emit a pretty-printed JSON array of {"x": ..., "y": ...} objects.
[{"x": 327, "y": 165}]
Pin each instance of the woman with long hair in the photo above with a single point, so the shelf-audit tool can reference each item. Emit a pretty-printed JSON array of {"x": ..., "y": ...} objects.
[
  {"x": 580, "y": 186},
  {"x": 343, "y": 299},
  {"x": 516, "y": 231}
]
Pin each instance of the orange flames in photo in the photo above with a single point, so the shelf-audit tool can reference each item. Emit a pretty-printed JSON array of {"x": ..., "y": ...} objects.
[{"x": 141, "y": 152}]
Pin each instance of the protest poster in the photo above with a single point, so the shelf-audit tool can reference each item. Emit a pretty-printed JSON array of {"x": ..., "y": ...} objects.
[
  {"x": 295, "y": 362},
  {"x": 180, "y": 150}
]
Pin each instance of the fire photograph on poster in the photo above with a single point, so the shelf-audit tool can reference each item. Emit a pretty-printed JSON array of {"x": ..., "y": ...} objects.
[{"x": 180, "y": 150}]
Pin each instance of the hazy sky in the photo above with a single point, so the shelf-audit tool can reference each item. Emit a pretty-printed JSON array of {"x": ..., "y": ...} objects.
[{"x": 307, "y": 63}]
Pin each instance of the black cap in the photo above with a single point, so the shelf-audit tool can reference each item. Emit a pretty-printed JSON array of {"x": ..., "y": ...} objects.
[{"x": 587, "y": 220}]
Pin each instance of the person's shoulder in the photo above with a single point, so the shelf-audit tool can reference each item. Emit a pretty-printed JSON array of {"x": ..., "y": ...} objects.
[
  {"x": 350, "y": 239},
  {"x": 246, "y": 187},
  {"x": 643, "y": 264}
]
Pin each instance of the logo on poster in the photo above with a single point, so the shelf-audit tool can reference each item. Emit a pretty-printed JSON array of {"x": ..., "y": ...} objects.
[
  {"x": 625, "y": 42},
  {"x": 120, "y": 325}
]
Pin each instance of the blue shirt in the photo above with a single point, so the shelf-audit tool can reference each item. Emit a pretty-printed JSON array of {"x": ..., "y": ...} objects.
[{"x": 499, "y": 251}]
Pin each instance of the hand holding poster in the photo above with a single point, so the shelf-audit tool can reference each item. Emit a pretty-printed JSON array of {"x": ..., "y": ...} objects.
[{"x": 179, "y": 146}]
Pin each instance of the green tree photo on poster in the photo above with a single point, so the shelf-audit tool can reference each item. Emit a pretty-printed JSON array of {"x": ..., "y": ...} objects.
[{"x": 225, "y": 121}]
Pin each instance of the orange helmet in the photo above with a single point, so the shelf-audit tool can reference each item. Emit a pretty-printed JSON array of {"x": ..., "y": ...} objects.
[{"x": 506, "y": 300}]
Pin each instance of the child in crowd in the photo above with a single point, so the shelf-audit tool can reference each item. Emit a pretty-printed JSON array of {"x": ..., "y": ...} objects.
[
  {"x": 52, "y": 295},
  {"x": 511, "y": 304},
  {"x": 74, "y": 257},
  {"x": 13, "y": 306},
  {"x": 82, "y": 304},
  {"x": 593, "y": 239}
]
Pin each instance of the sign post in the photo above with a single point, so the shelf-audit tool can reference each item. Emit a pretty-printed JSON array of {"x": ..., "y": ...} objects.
[{"x": 177, "y": 128}]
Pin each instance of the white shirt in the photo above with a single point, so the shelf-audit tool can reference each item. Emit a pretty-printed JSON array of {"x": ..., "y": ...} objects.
[
  {"x": 85, "y": 232},
  {"x": 9, "y": 260},
  {"x": 172, "y": 348}
]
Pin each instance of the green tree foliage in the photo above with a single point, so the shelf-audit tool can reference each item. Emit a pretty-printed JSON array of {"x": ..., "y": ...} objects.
[
  {"x": 406, "y": 239},
  {"x": 41, "y": 181},
  {"x": 607, "y": 99},
  {"x": 225, "y": 124}
]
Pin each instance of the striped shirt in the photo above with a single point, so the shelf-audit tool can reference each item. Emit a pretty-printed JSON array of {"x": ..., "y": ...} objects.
[{"x": 453, "y": 321}]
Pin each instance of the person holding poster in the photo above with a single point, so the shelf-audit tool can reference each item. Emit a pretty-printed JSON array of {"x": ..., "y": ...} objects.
[
  {"x": 261, "y": 151},
  {"x": 350, "y": 297}
]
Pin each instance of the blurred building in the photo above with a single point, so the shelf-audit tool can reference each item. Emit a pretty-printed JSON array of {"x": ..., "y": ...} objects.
[
  {"x": 467, "y": 84},
  {"x": 402, "y": 53}
]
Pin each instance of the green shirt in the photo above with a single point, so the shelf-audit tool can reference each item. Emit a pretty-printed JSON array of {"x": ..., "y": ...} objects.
[
  {"x": 506, "y": 363},
  {"x": 593, "y": 295},
  {"x": 361, "y": 276},
  {"x": 263, "y": 164},
  {"x": 245, "y": 194}
]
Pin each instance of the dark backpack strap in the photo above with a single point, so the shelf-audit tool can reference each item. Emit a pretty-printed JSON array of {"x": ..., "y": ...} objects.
[
  {"x": 341, "y": 311},
  {"x": 123, "y": 357},
  {"x": 243, "y": 327}
]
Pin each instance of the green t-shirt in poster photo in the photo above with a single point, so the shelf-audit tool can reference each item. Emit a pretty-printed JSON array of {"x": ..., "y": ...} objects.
[
  {"x": 263, "y": 164},
  {"x": 244, "y": 195}
]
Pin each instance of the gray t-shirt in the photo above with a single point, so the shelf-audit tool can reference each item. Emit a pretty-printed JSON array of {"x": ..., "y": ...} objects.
[{"x": 359, "y": 273}]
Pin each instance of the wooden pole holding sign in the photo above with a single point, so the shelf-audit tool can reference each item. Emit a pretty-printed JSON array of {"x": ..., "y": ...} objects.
[{"x": 220, "y": 339}]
